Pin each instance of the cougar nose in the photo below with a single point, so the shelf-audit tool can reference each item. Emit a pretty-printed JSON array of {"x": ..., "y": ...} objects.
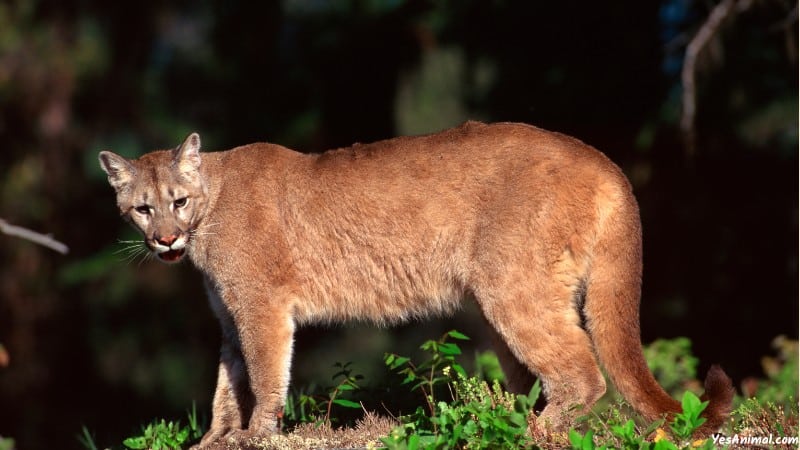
[{"x": 167, "y": 240}]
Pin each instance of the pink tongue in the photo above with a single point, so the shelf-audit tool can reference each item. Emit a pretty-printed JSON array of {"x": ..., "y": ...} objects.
[{"x": 171, "y": 255}]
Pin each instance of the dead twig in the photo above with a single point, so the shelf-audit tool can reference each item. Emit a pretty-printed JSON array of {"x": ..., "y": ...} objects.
[
  {"x": 718, "y": 15},
  {"x": 37, "y": 238}
]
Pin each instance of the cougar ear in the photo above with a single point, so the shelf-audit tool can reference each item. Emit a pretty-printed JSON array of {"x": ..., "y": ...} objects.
[
  {"x": 119, "y": 170},
  {"x": 186, "y": 157}
]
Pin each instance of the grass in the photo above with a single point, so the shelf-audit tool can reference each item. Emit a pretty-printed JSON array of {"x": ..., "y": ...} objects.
[{"x": 458, "y": 411}]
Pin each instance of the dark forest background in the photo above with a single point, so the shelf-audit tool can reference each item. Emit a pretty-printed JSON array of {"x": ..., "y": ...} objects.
[{"x": 96, "y": 340}]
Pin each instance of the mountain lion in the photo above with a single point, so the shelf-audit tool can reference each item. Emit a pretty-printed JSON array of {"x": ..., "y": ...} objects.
[{"x": 540, "y": 229}]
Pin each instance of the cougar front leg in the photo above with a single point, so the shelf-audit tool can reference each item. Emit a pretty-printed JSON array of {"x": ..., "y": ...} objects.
[
  {"x": 266, "y": 335},
  {"x": 233, "y": 401}
]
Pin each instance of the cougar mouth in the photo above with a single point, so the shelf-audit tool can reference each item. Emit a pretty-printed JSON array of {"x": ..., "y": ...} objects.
[{"x": 171, "y": 256}]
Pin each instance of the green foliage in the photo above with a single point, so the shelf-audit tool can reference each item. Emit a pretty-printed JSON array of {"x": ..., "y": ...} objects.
[
  {"x": 482, "y": 422},
  {"x": 303, "y": 406},
  {"x": 160, "y": 434},
  {"x": 347, "y": 382},
  {"x": 688, "y": 420},
  {"x": 479, "y": 416},
  {"x": 6, "y": 443},
  {"x": 308, "y": 407},
  {"x": 431, "y": 372},
  {"x": 583, "y": 441},
  {"x": 781, "y": 385},
  {"x": 625, "y": 436}
]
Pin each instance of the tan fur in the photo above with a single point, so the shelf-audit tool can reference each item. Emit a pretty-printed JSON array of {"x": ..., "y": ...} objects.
[{"x": 541, "y": 229}]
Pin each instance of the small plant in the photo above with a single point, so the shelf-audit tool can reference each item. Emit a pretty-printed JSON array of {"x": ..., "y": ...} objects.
[
  {"x": 302, "y": 406},
  {"x": 86, "y": 439},
  {"x": 430, "y": 373},
  {"x": 626, "y": 433},
  {"x": 305, "y": 407},
  {"x": 347, "y": 382},
  {"x": 158, "y": 435},
  {"x": 688, "y": 420},
  {"x": 479, "y": 416},
  {"x": 489, "y": 420}
]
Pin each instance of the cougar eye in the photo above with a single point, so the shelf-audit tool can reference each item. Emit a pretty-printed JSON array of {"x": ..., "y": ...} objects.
[
  {"x": 180, "y": 203},
  {"x": 144, "y": 209}
]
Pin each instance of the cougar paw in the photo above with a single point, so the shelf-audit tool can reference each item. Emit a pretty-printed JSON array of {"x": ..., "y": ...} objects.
[{"x": 213, "y": 440}]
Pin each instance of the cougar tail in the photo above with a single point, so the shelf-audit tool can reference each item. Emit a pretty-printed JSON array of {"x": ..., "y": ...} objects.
[{"x": 611, "y": 308}]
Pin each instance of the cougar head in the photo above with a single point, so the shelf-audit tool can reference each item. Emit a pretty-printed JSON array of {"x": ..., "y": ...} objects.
[{"x": 162, "y": 194}]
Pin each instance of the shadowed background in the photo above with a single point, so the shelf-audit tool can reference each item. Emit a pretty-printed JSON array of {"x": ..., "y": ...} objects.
[{"x": 96, "y": 339}]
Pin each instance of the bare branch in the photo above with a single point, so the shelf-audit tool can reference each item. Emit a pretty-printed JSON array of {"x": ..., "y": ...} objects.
[
  {"x": 38, "y": 238},
  {"x": 722, "y": 11}
]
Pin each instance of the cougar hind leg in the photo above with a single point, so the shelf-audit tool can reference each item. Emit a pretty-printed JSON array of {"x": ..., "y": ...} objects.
[
  {"x": 540, "y": 329},
  {"x": 519, "y": 379}
]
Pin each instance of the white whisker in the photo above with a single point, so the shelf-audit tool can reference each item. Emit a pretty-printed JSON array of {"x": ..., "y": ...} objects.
[
  {"x": 204, "y": 229},
  {"x": 204, "y": 233},
  {"x": 144, "y": 257},
  {"x": 132, "y": 251},
  {"x": 128, "y": 248},
  {"x": 132, "y": 256}
]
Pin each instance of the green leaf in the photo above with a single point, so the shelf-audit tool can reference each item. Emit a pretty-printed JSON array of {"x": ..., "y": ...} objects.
[
  {"x": 396, "y": 361},
  {"x": 135, "y": 443},
  {"x": 576, "y": 439},
  {"x": 182, "y": 435},
  {"x": 427, "y": 345},
  {"x": 535, "y": 392},
  {"x": 413, "y": 442},
  {"x": 691, "y": 403},
  {"x": 623, "y": 431},
  {"x": 346, "y": 403},
  {"x": 587, "y": 443},
  {"x": 664, "y": 445},
  {"x": 450, "y": 349},
  {"x": 456, "y": 335}
]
